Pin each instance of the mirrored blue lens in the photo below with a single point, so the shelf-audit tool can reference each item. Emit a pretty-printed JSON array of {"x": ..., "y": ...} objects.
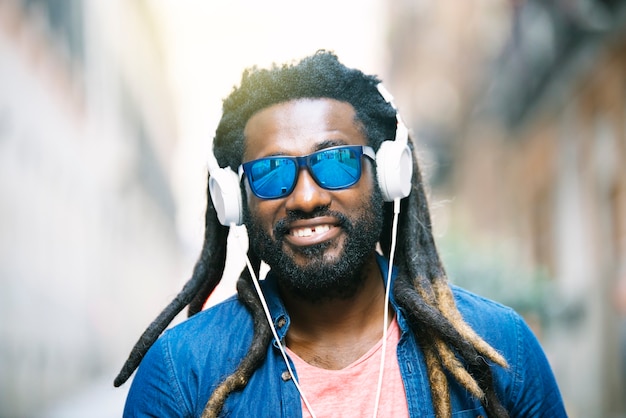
[
  {"x": 332, "y": 168},
  {"x": 335, "y": 168},
  {"x": 272, "y": 177}
]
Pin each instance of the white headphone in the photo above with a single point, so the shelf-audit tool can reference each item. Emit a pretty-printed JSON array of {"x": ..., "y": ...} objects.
[
  {"x": 394, "y": 166},
  {"x": 226, "y": 195},
  {"x": 394, "y": 163}
]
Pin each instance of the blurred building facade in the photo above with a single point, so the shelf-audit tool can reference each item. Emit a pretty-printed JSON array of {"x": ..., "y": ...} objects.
[
  {"x": 521, "y": 107},
  {"x": 88, "y": 247}
]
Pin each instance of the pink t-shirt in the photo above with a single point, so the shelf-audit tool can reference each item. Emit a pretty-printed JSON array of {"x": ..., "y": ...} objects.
[{"x": 351, "y": 392}]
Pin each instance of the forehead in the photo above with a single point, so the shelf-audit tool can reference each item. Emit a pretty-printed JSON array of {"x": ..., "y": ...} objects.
[{"x": 301, "y": 126}]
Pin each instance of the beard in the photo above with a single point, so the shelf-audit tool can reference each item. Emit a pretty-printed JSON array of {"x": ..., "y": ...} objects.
[{"x": 323, "y": 277}]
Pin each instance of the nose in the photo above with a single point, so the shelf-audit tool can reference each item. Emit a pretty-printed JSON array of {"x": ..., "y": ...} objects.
[{"x": 307, "y": 195}]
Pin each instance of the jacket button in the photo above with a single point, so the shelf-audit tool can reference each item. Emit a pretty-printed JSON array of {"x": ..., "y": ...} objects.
[
  {"x": 286, "y": 376},
  {"x": 281, "y": 322}
]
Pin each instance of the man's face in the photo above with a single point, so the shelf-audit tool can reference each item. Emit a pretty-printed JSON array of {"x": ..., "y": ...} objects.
[{"x": 315, "y": 240}]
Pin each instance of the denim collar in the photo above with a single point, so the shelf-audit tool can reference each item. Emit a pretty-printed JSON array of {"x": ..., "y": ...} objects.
[{"x": 280, "y": 316}]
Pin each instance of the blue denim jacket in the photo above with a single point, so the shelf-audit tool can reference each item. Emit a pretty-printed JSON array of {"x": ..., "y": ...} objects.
[{"x": 181, "y": 370}]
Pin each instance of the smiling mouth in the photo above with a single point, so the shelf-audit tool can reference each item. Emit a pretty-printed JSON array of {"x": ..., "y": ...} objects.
[
  {"x": 307, "y": 232},
  {"x": 311, "y": 234}
]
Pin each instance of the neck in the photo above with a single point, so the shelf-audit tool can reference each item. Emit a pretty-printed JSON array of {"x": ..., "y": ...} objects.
[{"x": 333, "y": 333}]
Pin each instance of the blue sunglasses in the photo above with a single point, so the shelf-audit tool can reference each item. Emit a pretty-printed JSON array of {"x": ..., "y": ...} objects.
[{"x": 332, "y": 169}]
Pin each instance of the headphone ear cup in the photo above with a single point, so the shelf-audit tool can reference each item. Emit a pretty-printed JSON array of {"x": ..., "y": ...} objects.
[
  {"x": 394, "y": 167},
  {"x": 226, "y": 196}
]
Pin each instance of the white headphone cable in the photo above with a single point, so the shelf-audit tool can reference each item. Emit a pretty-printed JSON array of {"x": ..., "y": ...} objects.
[
  {"x": 257, "y": 287},
  {"x": 394, "y": 236}
]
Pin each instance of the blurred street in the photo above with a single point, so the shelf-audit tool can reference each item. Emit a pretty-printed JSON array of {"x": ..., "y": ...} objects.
[{"x": 108, "y": 109}]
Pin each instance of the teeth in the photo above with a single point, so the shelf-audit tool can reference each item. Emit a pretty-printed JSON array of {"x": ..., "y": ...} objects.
[
  {"x": 322, "y": 228},
  {"x": 307, "y": 232}
]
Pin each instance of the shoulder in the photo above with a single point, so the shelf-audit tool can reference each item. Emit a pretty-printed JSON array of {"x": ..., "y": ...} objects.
[
  {"x": 480, "y": 311},
  {"x": 499, "y": 325},
  {"x": 527, "y": 386},
  {"x": 207, "y": 345},
  {"x": 224, "y": 325},
  {"x": 189, "y": 360}
]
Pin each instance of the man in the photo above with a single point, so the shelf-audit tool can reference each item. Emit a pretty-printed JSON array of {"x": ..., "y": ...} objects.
[{"x": 317, "y": 212}]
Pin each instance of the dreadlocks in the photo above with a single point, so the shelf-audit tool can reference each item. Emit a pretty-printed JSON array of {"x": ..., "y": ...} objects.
[{"x": 451, "y": 347}]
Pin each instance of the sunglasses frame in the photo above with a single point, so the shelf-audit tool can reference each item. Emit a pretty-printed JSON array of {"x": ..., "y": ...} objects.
[{"x": 304, "y": 161}]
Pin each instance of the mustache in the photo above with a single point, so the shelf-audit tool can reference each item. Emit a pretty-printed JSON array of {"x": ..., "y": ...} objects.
[{"x": 281, "y": 228}]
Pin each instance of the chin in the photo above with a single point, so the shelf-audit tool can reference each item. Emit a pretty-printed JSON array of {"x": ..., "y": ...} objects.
[{"x": 324, "y": 253}]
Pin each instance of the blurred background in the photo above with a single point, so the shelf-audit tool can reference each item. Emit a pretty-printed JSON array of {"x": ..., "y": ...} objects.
[{"x": 107, "y": 110}]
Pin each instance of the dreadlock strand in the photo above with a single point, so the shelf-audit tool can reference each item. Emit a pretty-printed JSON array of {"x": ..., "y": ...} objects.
[
  {"x": 448, "y": 308},
  {"x": 479, "y": 370},
  {"x": 216, "y": 401},
  {"x": 206, "y": 274},
  {"x": 418, "y": 278},
  {"x": 438, "y": 383},
  {"x": 213, "y": 254},
  {"x": 456, "y": 337},
  {"x": 447, "y": 356},
  {"x": 420, "y": 315},
  {"x": 416, "y": 244},
  {"x": 154, "y": 330},
  {"x": 427, "y": 321},
  {"x": 423, "y": 287},
  {"x": 482, "y": 373},
  {"x": 258, "y": 347},
  {"x": 445, "y": 336},
  {"x": 456, "y": 368},
  {"x": 213, "y": 276}
]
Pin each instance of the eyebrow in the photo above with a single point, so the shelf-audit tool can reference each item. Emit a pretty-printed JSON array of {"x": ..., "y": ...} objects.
[{"x": 330, "y": 143}]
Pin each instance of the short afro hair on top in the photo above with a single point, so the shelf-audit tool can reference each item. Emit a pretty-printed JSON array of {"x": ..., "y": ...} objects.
[{"x": 318, "y": 76}]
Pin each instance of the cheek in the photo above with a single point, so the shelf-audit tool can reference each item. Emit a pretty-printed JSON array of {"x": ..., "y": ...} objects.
[
  {"x": 368, "y": 179},
  {"x": 251, "y": 203},
  {"x": 264, "y": 212}
]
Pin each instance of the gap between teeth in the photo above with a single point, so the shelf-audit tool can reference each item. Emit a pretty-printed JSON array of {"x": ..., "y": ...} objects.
[{"x": 307, "y": 232}]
